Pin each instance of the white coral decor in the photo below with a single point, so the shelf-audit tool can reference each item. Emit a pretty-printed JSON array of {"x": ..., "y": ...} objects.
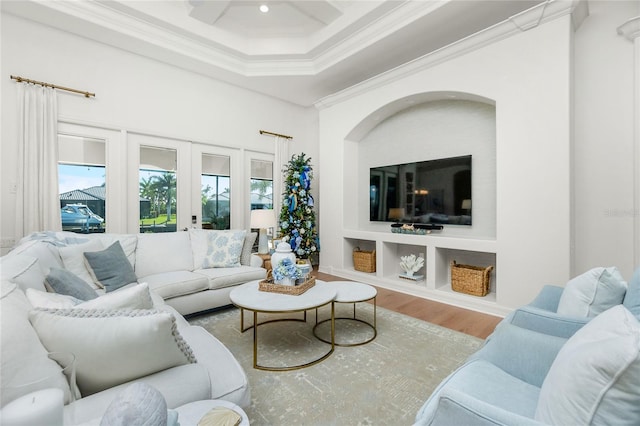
[{"x": 411, "y": 264}]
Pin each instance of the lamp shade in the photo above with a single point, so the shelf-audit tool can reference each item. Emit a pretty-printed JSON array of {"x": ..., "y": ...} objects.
[
  {"x": 466, "y": 204},
  {"x": 396, "y": 213},
  {"x": 263, "y": 218}
]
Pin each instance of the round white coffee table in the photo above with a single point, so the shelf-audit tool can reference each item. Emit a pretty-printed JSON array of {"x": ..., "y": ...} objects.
[
  {"x": 249, "y": 297},
  {"x": 351, "y": 292}
]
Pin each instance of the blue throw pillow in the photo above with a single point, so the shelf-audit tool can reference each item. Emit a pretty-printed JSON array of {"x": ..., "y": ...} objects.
[
  {"x": 66, "y": 282},
  {"x": 111, "y": 268}
]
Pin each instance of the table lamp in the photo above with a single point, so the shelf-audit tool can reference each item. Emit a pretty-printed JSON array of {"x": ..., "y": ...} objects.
[
  {"x": 263, "y": 219},
  {"x": 466, "y": 205},
  {"x": 396, "y": 213}
]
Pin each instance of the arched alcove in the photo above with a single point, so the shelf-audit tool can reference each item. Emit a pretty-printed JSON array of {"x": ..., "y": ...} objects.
[{"x": 422, "y": 127}]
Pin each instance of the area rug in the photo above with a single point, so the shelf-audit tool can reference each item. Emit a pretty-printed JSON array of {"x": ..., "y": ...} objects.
[{"x": 383, "y": 382}]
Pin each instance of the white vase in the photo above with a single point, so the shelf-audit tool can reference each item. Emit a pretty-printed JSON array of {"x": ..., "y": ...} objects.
[
  {"x": 409, "y": 273},
  {"x": 286, "y": 281},
  {"x": 283, "y": 251}
]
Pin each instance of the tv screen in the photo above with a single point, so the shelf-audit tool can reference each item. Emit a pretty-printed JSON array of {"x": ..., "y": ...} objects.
[{"x": 431, "y": 192}]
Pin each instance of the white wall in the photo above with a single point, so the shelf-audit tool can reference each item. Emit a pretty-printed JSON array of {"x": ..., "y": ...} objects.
[
  {"x": 604, "y": 119},
  {"x": 529, "y": 77},
  {"x": 136, "y": 94}
]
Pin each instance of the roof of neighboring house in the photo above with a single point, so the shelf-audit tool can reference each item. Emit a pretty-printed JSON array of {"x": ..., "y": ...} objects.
[{"x": 95, "y": 193}]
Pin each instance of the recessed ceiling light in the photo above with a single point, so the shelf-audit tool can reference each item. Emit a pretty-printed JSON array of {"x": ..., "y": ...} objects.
[{"x": 264, "y": 8}]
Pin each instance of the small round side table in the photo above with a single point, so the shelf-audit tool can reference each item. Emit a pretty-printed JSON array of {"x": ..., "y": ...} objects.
[
  {"x": 351, "y": 292},
  {"x": 190, "y": 414}
]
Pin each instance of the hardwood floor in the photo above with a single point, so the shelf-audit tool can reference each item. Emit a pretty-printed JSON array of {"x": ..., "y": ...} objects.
[{"x": 466, "y": 321}]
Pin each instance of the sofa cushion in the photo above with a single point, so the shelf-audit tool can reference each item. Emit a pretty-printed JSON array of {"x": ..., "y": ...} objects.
[
  {"x": 73, "y": 259},
  {"x": 110, "y": 267},
  {"x": 163, "y": 252},
  {"x": 594, "y": 378},
  {"x": 23, "y": 270},
  {"x": 226, "y": 277},
  {"x": 247, "y": 248},
  {"x": 177, "y": 283},
  {"x": 224, "y": 249},
  {"x": 112, "y": 347},
  {"x": 25, "y": 365},
  {"x": 592, "y": 293},
  {"x": 65, "y": 282}
]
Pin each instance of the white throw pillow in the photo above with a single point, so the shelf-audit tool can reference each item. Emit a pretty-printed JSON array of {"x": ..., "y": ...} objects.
[
  {"x": 112, "y": 347},
  {"x": 592, "y": 293},
  {"x": 223, "y": 249},
  {"x": 23, "y": 270},
  {"x": 131, "y": 297},
  {"x": 595, "y": 378},
  {"x": 73, "y": 259},
  {"x": 25, "y": 365},
  {"x": 45, "y": 300}
]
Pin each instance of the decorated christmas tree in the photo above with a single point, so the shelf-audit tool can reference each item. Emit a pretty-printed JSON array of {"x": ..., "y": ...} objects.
[{"x": 297, "y": 218}]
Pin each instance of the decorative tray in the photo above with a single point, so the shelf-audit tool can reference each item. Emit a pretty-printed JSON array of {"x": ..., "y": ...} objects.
[
  {"x": 294, "y": 290},
  {"x": 414, "y": 228}
]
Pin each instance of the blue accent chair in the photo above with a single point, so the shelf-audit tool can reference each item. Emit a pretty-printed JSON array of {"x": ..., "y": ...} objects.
[{"x": 500, "y": 383}]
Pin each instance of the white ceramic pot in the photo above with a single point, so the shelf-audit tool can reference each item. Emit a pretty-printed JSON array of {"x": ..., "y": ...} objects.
[{"x": 283, "y": 251}]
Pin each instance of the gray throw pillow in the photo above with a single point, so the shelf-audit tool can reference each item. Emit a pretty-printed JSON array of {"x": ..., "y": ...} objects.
[
  {"x": 247, "y": 247},
  {"x": 66, "y": 282},
  {"x": 111, "y": 268}
]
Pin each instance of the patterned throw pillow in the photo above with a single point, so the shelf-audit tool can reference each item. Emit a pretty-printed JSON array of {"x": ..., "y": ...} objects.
[{"x": 224, "y": 249}]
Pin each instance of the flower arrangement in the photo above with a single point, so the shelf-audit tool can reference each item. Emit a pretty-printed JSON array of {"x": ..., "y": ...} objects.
[
  {"x": 286, "y": 269},
  {"x": 297, "y": 218},
  {"x": 411, "y": 264}
]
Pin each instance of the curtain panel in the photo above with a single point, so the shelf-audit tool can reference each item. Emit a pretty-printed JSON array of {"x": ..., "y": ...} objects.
[
  {"x": 281, "y": 159},
  {"x": 38, "y": 201}
]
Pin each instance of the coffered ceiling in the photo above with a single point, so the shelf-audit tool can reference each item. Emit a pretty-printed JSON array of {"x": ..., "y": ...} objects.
[{"x": 299, "y": 51}]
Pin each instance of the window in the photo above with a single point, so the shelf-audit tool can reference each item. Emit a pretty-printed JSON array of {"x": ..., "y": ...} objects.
[
  {"x": 82, "y": 183},
  {"x": 158, "y": 189},
  {"x": 261, "y": 184},
  {"x": 216, "y": 192}
]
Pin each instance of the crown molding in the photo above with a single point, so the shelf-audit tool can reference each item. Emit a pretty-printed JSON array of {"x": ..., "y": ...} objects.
[
  {"x": 523, "y": 21},
  {"x": 630, "y": 29}
]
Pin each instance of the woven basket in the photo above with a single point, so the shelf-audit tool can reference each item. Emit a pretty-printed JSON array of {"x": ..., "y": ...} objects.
[
  {"x": 469, "y": 279},
  {"x": 294, "y": 290},
  {"x": 364, "y": 261}
]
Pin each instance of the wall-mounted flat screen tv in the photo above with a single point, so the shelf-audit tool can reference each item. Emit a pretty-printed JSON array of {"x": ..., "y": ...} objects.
[{"x": 433, "y": 192}]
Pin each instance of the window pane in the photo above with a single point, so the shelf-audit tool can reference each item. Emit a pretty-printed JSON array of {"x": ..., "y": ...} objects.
[
  {"x": 82, "y": 183},
  {"x": 216, "y": 192},
  {"x": 261, "y": 184},
  {"x": 158, "y": 189}
]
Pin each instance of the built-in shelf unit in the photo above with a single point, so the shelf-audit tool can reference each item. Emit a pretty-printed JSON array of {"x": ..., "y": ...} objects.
[{"x": 438, "y": 251}]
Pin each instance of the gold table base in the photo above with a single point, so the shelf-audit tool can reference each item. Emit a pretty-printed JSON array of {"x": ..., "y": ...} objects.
[{"x": 256, "y": 325}]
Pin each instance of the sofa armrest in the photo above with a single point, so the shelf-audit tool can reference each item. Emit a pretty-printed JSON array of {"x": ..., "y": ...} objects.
[
  {"x": 546, "y": 322},
  {"x": 522, "y": 353},
  {"x": 548, "y": 298},
  {"x": 179, "y": 385},
  {"x": 256, "y": 261},
  {"x": 458, "y": 408}
]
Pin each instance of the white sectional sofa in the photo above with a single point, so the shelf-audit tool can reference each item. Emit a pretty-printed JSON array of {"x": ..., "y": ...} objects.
[
  {"x": 128, "y": 334},
  {"x": 171, "y": 263}
]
